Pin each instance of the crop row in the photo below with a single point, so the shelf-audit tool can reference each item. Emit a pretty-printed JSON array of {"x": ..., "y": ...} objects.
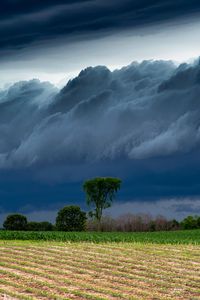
[{"x": 164, "y": 237}]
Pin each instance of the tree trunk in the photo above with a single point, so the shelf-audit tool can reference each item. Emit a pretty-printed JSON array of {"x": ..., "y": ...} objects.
[{"x": 98, "y": 225}]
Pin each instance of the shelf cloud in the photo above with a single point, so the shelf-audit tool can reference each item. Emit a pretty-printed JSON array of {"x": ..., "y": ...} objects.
[{"x": 145, "y": 110}]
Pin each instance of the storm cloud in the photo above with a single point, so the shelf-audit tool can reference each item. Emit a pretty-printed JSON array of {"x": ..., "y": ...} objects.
[
  {"x": 141, "y": 111},
  {"x": 140, "y": 123},
  {"x": 24, "y": 23}
]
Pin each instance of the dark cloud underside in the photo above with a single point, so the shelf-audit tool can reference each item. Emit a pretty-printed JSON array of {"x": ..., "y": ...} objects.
[{"x": 25, "y": 22}]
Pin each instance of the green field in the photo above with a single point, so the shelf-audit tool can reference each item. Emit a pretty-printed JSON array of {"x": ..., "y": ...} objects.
[
  {"x": 162, "y": 237},
  {"x": 98, "y": 266}
]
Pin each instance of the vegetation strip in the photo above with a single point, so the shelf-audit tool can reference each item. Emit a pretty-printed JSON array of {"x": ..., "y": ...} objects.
[{"x": 161, "y": 237}]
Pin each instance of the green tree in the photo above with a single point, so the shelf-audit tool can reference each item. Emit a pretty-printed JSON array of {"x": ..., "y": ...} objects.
[
  {"x": 100, "y": 193},
  {"x": 15, "y": 222},
  {"x": 190, "y": 222},
  {"x": 71, "y": 218}
]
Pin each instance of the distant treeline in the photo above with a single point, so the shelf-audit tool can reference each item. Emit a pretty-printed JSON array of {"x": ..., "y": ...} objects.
[
  {"x": 143, "y": 223},
  {"x": 71, "y": 218}
]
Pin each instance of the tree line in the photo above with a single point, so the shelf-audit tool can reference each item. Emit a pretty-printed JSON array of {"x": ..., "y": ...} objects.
[
  {"x": 72, "y": 218},
  {"x": 100, "y": 193}
]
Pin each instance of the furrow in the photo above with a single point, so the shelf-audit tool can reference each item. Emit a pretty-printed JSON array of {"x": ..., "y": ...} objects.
[
  {"x": 51, "y": 277},
  {"x": 141, "y": 281},
  {"x": 186, "y": 268},
  {"x": 151, "y": 258},
  {"x": 136, "y": 269}
]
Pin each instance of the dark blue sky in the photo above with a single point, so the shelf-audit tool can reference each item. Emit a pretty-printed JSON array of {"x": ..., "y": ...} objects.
[
  {"x": 146, "y": 180},
  {"x": 139, "y": 123}
]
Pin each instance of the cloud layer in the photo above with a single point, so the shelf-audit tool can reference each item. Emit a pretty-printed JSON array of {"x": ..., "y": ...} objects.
[
  {"x": 23, "y": 23},
  {"x": 141, "y": 111}
]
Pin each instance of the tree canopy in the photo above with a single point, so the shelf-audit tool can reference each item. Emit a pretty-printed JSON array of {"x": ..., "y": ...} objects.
[
  {"x": 191, "y": 222},
  {"x": 15, "y": 222},
  {"x": 100, "y": 193},
  {"x": 71, "y": 218}
]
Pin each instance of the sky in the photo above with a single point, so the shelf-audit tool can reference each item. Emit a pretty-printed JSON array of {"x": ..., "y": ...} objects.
[{"x": 99, "y": 88}]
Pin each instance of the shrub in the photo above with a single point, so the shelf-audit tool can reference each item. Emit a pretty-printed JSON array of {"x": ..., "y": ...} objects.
[
  {"x": 46, "y": 226},
  {"x": 39, "y": 226},
  {"x": 133, "y": 223},
  {"x": 71, "y": 218},
  {"x": 107, "y": 224},
  {"x": 173, "y": 225}
]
